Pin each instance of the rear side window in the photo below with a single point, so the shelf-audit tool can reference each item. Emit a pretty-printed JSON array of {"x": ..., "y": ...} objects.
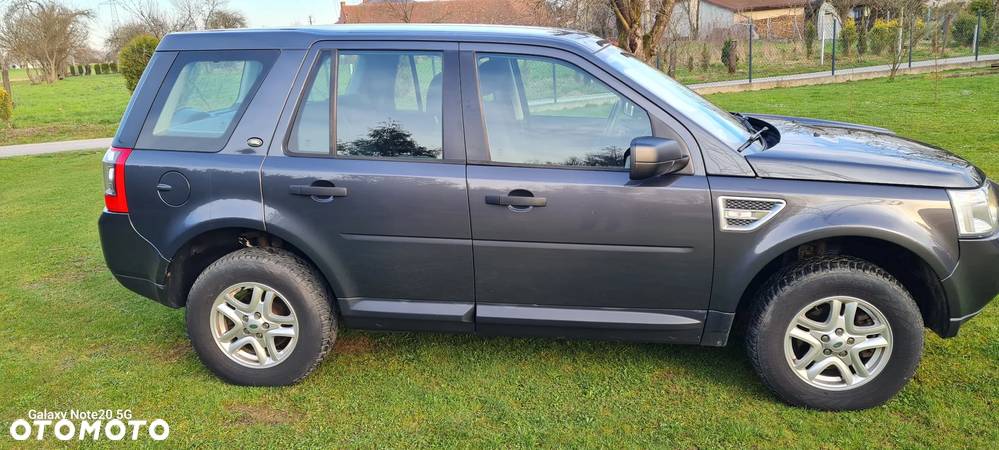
[
  {"x": 388, "y": 104},
  {"x": 202, "y": 99}
]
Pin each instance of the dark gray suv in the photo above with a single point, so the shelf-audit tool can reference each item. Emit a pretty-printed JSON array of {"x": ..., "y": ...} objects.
[{"x": 528, "y": 182}]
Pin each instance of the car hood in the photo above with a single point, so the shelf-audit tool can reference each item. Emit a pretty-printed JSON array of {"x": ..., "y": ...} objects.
[{"x": 821, "y": 150}]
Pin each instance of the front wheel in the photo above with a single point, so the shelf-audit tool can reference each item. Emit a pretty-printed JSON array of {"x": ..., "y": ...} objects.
[
  {"x": 835, "y": 333},
  {"x": 260, "y": 317}
]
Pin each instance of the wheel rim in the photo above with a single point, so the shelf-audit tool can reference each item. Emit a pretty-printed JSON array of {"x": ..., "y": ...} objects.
[
  {"x": 838, "y": 343},
  {"x": 254, "y": 325}
]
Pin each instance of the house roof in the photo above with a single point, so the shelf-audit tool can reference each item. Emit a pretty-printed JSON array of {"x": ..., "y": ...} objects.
[
  {"x": 757, "y": 5},
  {"x": 507, "y": 12}
]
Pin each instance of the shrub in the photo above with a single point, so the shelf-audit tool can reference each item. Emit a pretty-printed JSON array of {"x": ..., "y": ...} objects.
[
  {"x": 105, "y": 68},
  {"x": 729, "y": 56},
  {"x": 810, "y": 35},
  {"x": 964, "y": 29},
  {"x": 705, "y": 57},
  {"x": 883, "y": 35},
  {"x": 86, "y": 67},
  {"x": 79, "y": 69},
  {"x": 134, "y": 56},
  {"x": 114, "y": 67},
  {"x": 848, "y": 36},
  {"x": 72, "y": 70},
  {"x": 6, "y": 107},
  {"x": 97, "y": 69}
]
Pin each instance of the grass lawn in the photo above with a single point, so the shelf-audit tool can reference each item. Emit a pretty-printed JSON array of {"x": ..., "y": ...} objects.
[
  {"x": 74, "y": 108},
  {"x": 72, "y": 338}
]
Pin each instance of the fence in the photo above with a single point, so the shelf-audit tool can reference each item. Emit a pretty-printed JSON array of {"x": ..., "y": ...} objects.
[{"x": 789, "y": 44}]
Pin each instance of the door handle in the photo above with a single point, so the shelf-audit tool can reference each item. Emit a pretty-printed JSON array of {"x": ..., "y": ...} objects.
[
  {"x": 509, "y": 200},
  {"x": 318, "y": 191}
]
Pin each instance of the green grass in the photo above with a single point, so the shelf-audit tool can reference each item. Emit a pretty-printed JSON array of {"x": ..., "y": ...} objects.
[
  {"x": 72, "y": 338},
  {"x": 74, "y": 108}
]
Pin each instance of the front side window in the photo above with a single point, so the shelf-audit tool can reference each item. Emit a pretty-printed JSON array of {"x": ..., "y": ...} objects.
[
  {"x": 543, "y": 111},
  {"x": 389, "y": 104},
  {"x": 202, "y": 98}
]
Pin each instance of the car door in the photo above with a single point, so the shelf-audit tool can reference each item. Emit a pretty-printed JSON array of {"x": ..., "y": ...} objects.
[
  {"x": 564, "y": 241},
  {"x": 370, "y": 179}
]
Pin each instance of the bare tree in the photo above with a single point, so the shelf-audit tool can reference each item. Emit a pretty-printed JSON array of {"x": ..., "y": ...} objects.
[
  {"x": 636, "y": 33},
  {"x": 906, "y": 12},
  {"x": 586, "y": 15},
  {"x": 43, "y": 33},
  {"x": 225, "y": 18}
]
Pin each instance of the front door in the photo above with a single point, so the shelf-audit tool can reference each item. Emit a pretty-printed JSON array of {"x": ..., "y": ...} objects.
[
  {"x": 371, "y": 178},
  {"x": 564, "y": 242}
]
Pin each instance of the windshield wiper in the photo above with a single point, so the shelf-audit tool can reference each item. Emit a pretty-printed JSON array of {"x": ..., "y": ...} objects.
[
  {"x": 755, "y": 137},
  {"x": 744, "y": 121}
]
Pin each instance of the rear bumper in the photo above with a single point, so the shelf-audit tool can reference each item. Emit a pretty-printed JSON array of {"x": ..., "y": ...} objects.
[
  {"x": 133, "y": 261},
  {"x": 973, "y": 283}
]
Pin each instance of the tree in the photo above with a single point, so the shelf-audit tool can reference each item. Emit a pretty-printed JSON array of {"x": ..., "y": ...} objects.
[
  {"x": 44, "y": 34},
  {"x": 124, "y": 34},
  {"x": 729, "y": 56},
  {"x": 637, "y": 34},
  {"x": 134, "y": 57},
  {"x": 224, "y": 18}
]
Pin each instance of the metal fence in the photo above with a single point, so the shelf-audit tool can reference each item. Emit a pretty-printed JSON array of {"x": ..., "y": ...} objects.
[{"x": 784, "y": 46}]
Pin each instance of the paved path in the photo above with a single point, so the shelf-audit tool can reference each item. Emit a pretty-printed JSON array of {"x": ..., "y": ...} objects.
[
  {"x": 53, "y": 147},
  {"x": 842, "y": 72}
]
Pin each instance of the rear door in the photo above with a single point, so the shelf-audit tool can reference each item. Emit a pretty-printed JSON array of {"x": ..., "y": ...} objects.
[
  {"x": 370, "y": 178},
  {"x": 590, "y": 252}
]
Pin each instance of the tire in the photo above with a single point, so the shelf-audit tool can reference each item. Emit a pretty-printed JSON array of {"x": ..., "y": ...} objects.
[
  {"x": 300, "y": 303},
  {"x": 781, "y": 333}
]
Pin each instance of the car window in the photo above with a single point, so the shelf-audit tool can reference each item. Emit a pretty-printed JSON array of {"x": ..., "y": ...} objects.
[
  {"x": 544, "y": 111},
  {"x": 203, "y": 96},
  {"x": 311, "y": 130},
  {"x": 389, "y": 104}
]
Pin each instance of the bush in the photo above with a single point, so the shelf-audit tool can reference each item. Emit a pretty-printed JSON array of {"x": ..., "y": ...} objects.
[
  {"x": 114, "y": 67},
  {"x": 848, "y": 36},
  {"x": 72, "y": 70},
  {"x": 97, "y": 69},
  {"x": 729, "y": 56},
  {"x": 810, "y": 35},
  {"x": 105, "y": 68},
  {"x": 79, "y": 69},
  {"x": 86, "y": 68},
  {"x": 6, "y": 107},
  {"x": 883, "y": 35},
  {"x": 964, "y": 29},
  {"x": 705, "y": 57},
  {"x": 134, "y": 56}
]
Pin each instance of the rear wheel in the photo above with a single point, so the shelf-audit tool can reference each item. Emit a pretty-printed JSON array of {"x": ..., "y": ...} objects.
[
  {"x": 835, "y": 333},
  {"x": 260, "y": 317}
]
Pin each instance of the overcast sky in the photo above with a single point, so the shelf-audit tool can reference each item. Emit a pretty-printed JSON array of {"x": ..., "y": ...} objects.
[{"x": 259, "y": 13}]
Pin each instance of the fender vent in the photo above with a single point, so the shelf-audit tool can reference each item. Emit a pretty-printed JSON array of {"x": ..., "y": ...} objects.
[{"x": 747, "y": 214}]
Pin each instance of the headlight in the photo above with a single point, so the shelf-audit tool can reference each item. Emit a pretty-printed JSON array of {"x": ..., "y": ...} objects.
[{"x": 976, "y": 210}]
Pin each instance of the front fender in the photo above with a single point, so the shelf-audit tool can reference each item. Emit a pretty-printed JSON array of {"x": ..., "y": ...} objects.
[{"x": 918, "y": 219}]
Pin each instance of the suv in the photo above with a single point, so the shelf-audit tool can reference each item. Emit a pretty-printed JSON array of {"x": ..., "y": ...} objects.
[{"x": 528, "y": 182}]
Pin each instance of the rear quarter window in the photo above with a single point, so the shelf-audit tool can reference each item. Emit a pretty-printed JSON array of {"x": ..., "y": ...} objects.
[{"x": 202, "y": 98}]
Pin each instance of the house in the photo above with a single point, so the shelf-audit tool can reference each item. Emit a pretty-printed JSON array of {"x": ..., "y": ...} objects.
[
  {"x": 771, "y": 18},
  {"x": 506, "y": 12}
]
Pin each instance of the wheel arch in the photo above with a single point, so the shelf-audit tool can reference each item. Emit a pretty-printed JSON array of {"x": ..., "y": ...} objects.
[
  {"x": 199, "y": 249},
  {"x": 918, "y": 269}
]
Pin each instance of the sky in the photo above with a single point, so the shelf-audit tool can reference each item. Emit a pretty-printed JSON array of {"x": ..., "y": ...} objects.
[{"x": 259, "y": 13}]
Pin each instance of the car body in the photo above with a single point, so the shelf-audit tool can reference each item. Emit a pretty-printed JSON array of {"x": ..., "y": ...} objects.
[{"x": 646, "y": 221}]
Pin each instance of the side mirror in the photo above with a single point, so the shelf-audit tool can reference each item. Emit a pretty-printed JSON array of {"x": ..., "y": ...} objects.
[{"x": 653, "y": 157}]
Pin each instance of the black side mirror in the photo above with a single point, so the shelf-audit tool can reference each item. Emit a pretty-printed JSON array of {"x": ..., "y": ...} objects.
[{"x": 654, "y": 156}]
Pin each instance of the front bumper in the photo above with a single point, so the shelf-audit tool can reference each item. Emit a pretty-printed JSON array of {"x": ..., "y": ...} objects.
[
  {"x": 973, "y": 283},
  {"x": 133, "y": 261}
]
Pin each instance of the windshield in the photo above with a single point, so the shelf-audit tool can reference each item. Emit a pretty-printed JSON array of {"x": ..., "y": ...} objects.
[{"x": 711, "y": 118}]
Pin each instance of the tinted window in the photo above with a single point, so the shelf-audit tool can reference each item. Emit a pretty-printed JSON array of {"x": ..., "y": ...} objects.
[
  {"x": 311, "y": 131},
  {"x": 544, "y": 111},
  {"x": 389, "y": 104},
  {"x": 202, "y": 99}
]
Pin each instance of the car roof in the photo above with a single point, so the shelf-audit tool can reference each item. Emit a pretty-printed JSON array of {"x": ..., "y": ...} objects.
[{"x": 305, "y": 37}]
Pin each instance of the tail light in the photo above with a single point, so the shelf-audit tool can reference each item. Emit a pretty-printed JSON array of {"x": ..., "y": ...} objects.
[{"x": 114, "y": 179}]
